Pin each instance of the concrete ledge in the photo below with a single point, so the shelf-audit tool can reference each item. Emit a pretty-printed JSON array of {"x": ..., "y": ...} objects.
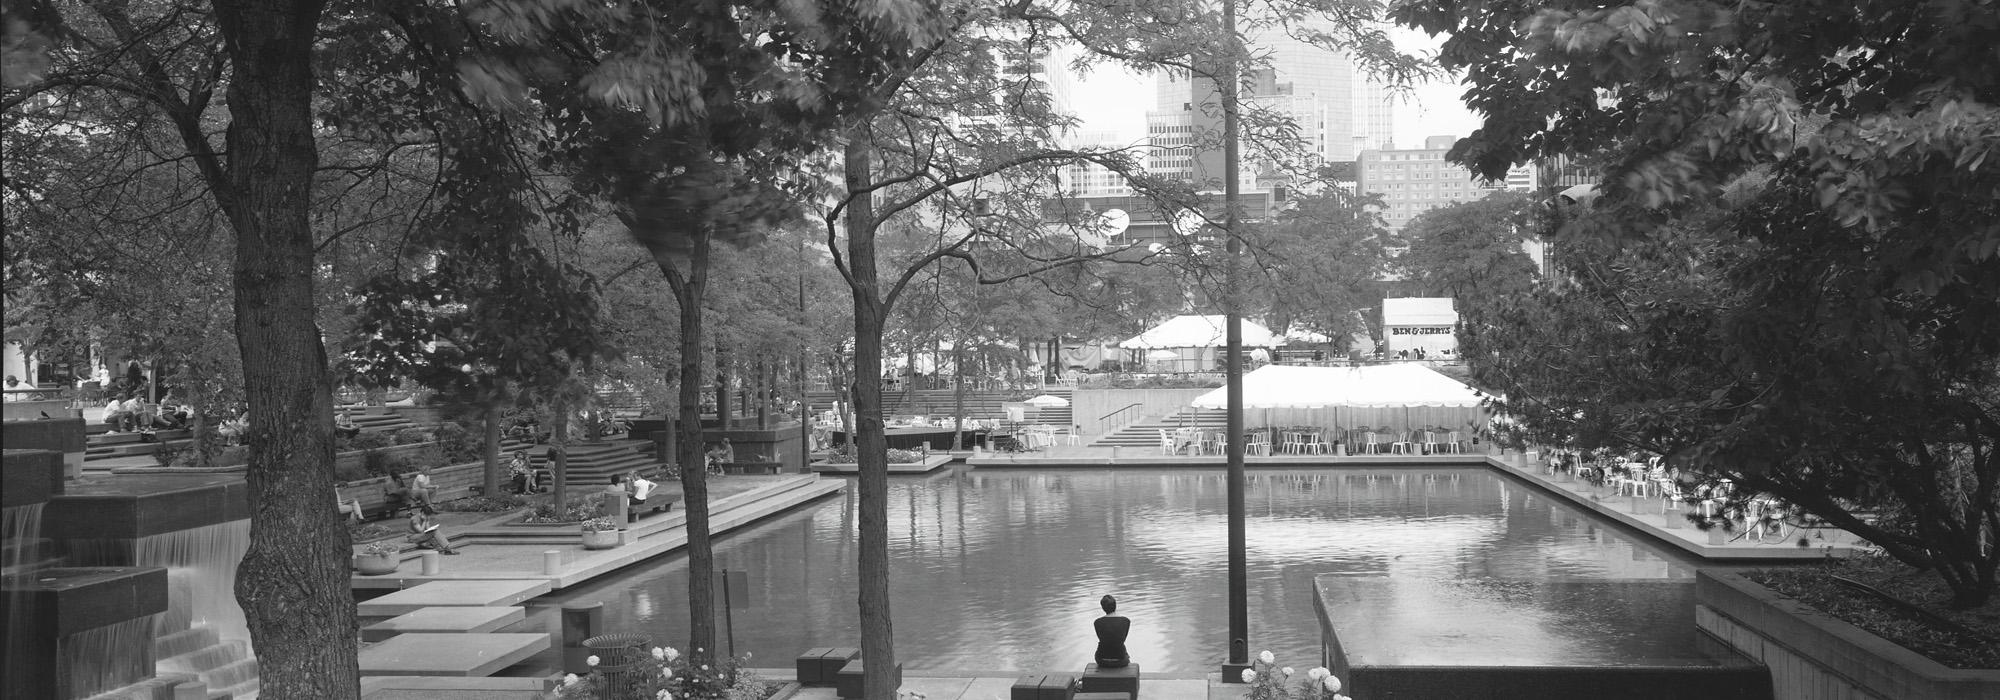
[
  {"x": 935, "y": 461},
  {"x": 1658, "y": 531},
  {"x": 450, "y": 654},
  {"x": 1816, "y": 656}
]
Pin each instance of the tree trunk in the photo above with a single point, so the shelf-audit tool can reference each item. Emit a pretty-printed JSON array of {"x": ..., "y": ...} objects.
[
  {"x": 692, "y": 291},
  {"x": 958, "y": 395},
  {"x": 871, "y": 453},
  {"x": 559, "y": 465},
  {"x": 490, "y": 450},
  {"x": 293, "y": 581}
]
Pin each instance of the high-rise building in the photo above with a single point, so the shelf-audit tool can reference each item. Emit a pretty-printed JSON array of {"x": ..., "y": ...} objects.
[
  {"x": 1412, "y": 181},
  {"x": 1374, "y": 115},
  {"x": 1311, "y": 85}
]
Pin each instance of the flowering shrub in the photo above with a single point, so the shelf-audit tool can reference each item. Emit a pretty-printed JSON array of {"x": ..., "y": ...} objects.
[
  {"x": 1269, "y": 681},
  {"x": 578, "y": 510},
  {"x": 382, "y": 548},
  {"x": 667, "y": 675},
  {"x": 897, "y": 456},
  {"x": 599, "y": 525}
]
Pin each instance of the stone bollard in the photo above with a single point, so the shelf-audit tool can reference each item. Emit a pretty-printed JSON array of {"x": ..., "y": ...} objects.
[
  {"x": 551, "y": 562},
  {"x": 431, "y": 562},
  {"x": 580, "y": 621}
]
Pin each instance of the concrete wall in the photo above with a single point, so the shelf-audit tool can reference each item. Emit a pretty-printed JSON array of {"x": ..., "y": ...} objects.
[
  {"x": 1813, "y": 656},
  {"x": 63, "y": 435},
  {"x": 1088, "y": 406}
]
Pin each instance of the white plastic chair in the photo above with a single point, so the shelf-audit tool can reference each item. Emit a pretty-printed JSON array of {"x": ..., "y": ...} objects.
[
  {"x": 1167, "y": 445},
  {"x": 1314, "y": 443}
]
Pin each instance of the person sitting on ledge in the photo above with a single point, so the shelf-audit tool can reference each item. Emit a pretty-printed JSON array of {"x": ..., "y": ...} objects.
[
  {"x": 1111, "y": 630},
  {"x": 426, "y": 533},
  {"x": 344, "y": 426}
]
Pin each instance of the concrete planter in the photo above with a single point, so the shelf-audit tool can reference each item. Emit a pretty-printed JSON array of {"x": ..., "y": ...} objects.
[
  {"x": 600, "y": 539},
  {"x": 1813, "y": 656},
  {"x": 375, "y": 564}
]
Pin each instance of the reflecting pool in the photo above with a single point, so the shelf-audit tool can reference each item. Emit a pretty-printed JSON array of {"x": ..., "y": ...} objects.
[{"x": 999, "y": 570}]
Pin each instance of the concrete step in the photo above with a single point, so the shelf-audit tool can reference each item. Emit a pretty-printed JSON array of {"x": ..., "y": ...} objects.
[{"x": 185, "y": 641}]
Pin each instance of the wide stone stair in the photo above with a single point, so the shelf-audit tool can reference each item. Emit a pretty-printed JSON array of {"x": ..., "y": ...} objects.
[
  {"x": 593, "y": 463},
  {"x": 102, "y": 444},
  {"x": 224, "y": 666},
  {"x": 1146, "y": 432}
]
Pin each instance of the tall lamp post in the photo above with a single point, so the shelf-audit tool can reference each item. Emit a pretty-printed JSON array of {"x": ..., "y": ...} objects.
[{"x": 1239, "y": 594}]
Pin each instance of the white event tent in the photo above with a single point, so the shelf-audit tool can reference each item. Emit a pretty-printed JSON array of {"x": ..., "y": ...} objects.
[
  {"x": 1197, "y": 342},
  {"x": 1399, "y": 397}
]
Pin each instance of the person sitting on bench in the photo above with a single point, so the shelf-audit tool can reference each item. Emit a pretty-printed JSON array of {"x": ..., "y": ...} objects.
[
  {"x": 1111, "y": 631},
  {"x": 637, "y": 488},
  {"x": 349, "y": 506}
]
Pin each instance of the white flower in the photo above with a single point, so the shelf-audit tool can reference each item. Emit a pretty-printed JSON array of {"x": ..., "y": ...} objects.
[
  {"x": 673, "y": 653},
  {"x": 664, "y": 695},
  {"x": 592, "y": 660},
  {"x": 1287, "y": 670},
  {"x": 1267, "y": 657},
  {"x": 659, "y": 653},
  {"x": 570, "y": 679},
  {"x": 1318, "y": 673},
  {"x": 1249, "y": 676},
  {"x": 1332, "y": 684}
]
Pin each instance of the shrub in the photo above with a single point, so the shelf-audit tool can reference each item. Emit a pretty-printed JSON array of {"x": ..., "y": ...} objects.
[
  {"x": 171, "y": 452},
  {"x": 366, "y": 441},
  {"x": 412, "y": 436},
  {"x": 577, "y": 510},
  {"x": 485, "y": 504},
  {"x": 459, "y": 443},
  {"x": 378, "y": 463},
  {"x": 599, "y": 525},
  {"x": 897, "y": 456},
  {"x": 348, "y": 471},
  {"x": 666, "y": 673},
  {"x": 383, "y": 548}
]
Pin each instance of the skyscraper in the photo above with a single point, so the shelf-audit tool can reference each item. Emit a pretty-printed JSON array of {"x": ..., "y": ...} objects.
[{"x": 1414, "y": 180}]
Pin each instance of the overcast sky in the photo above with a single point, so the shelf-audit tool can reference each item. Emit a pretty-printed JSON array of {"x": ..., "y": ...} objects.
[{"x": 1118, "y": 100}]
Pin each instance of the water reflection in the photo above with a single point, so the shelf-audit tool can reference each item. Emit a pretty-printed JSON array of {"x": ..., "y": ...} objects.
[{"x": 1001, "y": 570}]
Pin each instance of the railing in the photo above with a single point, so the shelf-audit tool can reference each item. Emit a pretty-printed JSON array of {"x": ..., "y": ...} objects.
[{"x": 1111, "y": 424}]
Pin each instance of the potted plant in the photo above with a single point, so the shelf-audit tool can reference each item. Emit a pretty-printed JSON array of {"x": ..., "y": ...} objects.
[
  {"x": 600, "y": 533},
  {"x": 379, "y": 557}
]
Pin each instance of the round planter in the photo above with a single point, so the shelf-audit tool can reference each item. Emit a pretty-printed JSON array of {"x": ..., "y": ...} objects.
[
  {"x": 600, "y": 539},
  {"x": 375, "y": 564}
]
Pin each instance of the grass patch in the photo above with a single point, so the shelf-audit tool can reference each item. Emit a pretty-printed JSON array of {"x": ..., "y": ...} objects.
[{"x": 1816, "y": 588}]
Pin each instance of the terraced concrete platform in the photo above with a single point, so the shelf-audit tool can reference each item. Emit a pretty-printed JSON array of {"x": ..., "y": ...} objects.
[
  {"x": 478, "y": 593},
  {"x": 460, "y": 619},
  {"x": 450, "y": 654}
]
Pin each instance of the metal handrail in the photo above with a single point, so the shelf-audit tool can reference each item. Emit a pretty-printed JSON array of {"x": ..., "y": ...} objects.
[{"x": 1113, "y": 425}]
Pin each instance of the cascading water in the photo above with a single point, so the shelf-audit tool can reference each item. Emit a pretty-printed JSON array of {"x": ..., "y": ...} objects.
[
  {"x": 201, "y": 573},
  {"x": 101, "y": 658},
  {"x": 22, "y": 530},
  {"x": 203, "y": 632}
]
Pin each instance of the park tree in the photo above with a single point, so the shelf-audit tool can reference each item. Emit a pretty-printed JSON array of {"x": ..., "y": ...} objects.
[
  {"x": 169, "y": 61},
  {"x": 1314, "y": 263},
  {"x": 1823, "y": 170}
]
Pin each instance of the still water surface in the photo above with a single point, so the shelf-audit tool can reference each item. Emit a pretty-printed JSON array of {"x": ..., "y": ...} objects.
[{"x": 1001, "y": 570}]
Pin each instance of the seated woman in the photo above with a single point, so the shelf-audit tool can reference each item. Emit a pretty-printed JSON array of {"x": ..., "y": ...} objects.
[
  {"x": 1111, "y": 630},
  {"x": 344, "y": 426},
  {"x": 426, "y": 533},
  {"x": 522, "y": 471},
  {"x": 348, "y": 506}
]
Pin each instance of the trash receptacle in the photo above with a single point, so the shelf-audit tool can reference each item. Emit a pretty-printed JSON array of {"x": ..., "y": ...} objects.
[{"x": 616, "y": 654}]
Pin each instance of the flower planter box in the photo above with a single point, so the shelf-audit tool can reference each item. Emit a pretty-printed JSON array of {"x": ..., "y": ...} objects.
[
  {"x": 375, "y": 564},
  {"x": 1814, "y": 656},
  {"x": 600, "y": 539}
]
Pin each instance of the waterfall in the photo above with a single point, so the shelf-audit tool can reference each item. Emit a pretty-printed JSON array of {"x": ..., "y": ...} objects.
[
  {"x": 106, "y": 658},
  {"x": 201, "y": 573},
  {"x": 22, "y": 531}
]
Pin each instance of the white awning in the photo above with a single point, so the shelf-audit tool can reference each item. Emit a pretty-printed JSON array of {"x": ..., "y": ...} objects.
[
  {"x": 1200, "y": 332},
  {"x": 1282, "y": 386}
]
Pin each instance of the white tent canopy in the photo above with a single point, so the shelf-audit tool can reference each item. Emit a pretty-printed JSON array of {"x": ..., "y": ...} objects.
[
  {"x": 1282, "y": 386},
  {"x": 1395, "y": 398},
  {"x": 1199, "y": 332}
]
